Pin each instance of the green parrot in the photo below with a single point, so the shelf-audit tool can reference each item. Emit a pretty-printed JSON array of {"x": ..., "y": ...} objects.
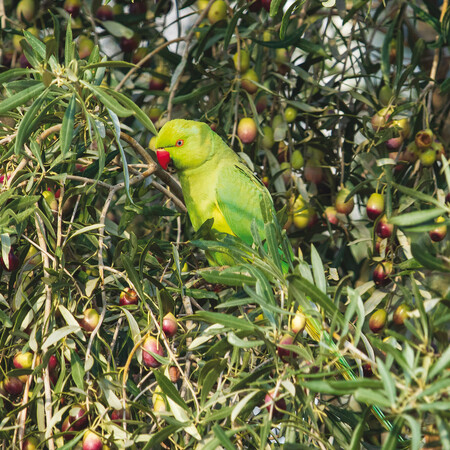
[{"x": 215, "y": 183}]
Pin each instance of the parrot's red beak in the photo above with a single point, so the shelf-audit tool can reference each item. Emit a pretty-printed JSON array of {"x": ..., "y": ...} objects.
[{"x": 163, "y": 158}]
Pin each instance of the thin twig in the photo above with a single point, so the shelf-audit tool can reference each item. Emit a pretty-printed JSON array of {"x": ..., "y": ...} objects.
[
  {"x": 144, "y": 60},
  {"x": 40, "y": 229}
]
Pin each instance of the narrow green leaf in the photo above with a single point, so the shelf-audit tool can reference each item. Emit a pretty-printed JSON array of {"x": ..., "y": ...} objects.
[
  {"x": 25, "y": 127},
  {"x": 225, "y": 319},
  {"x": 242, "y": 343},
  {"x": 83, "y": 230},
  {"x": 69, "y": 45},
  {"x": 107, "y": 100},
  {"x": 77, "y": 370},
  {"x": 126, "y": 174},
  {"x": 355, "y": 443},
  {"x": 317, "y": 296},
  {"x": 108, "y": 64},
  {"x": 58, "y": 335},
  {"x": 14, "y": 73},
  {"x": 429, "y": 261},
  {"x": 223, "y": 438},
  {"x": 169, "y": 389},
  {"x": 160, "y": 436},
  {"x": 230, "y": 277},
  {"x": 274, "y": 6},
  {"x": 135, "y": 332},
  {"x": 416, "y": 217},
  {"x": 232, "y": 25},
  {"x": 287, "y": 16},
  {"x": 388, "y": 382},
  {"x": 128, "y": 103},
  {"x": 117, "y": 29},
  {"x": 415, "y": 431},
  {"x": 371, "y": 397},
  {"x": 20, "y": 98},
  {"x": 67, "y": 127},
  {"x": 417, "y": 194},
  {"x": 318, "y": 270},
  {"x": 440, "y": 365}
]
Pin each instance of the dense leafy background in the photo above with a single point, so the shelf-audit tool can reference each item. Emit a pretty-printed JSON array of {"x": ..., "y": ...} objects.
[{"x": 77, "y": 117}]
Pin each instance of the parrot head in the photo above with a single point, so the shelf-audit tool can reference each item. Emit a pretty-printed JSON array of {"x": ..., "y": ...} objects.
[{"x": 185, "y": 142}]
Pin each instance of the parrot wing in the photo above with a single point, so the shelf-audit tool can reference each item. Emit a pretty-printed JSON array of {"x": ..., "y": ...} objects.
[{"x": 239, "y": 194}]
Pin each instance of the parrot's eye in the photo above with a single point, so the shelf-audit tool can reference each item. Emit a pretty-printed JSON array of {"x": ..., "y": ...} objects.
[{"x": 179, "y": 143}]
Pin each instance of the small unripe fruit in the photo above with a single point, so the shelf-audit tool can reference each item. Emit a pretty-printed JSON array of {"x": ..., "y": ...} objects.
[
  {"x": 202, "y": 4},
  {"x": 297, "y": 160},
  {"x": 290, "y": 114},
  {"x": 298, "y": 322},
  {"x": 261, "y": 104},
  {"x": 267, "y": 140},
  {"x": 428, "y": 157},
  {"x": 92, "y": 441},
  {"x": 53, "y": 363},
  {"x": 174, "y": 374},
  {"x": 342, "y": 206},
  {"x": 247, "y": 81},
  {"x": 401, "y": 314},
  {"x": 78, "y": 418},
  {"x": 330, "y": 214},
  {"x": 90, "y": 319},
  {"x": 85, "y": 47},
  {"x": 244, "y": 61},
  {"x": 139, "y": 54},
  {"x": 284, "y": 353},
  {"x": 381, "y": 118},
  {"x": 438, "y": 147},
  {"x": 313, "y": 171},
  {"x": 152, "y": 345},
  {"x": 301, "y": 213},
  {"x": 157, "y": 83},
  {"x": 285, "y": 167},
  {"x": 377, "y": 320},
  {"x": 26, "y": 10},
  {"x": 170, "y": 325},
  {"x": 384, "y": 228},
  {"x": 438, "y": 233},
  {"x": 424, "y": 139},
  {"x": 72, "y": 7},
  {"x": 159, "y": 404},
  {"x": 65, "y": 428},
  {"x": 13, "y": 262},
  {"x": 382, "y": 272},
  {"x": 367, "y": 370},
  {"x": 105, "y": 12},
  {"x": 50, "y": 199},
  {"x": 13, "y": 386},
  {"x": 30, "y": 443},
  {"x": 217, "y": 11},
  {"x": 138, "y": 8},
  {"x": 394, "y": 143},
  {"x": 23, "y": 360},
  {"x": 154, "y": 113},
  {"x": 128, "y": 297},
  {"x": 247, "y": 130},
  {"x": 118, "y": 415},
  {"x": 375, "y": 206},
  {"x": 128, "y": 45},
  {"x": 385, "y": 95},
  {"x": 278, "y": 405}
]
